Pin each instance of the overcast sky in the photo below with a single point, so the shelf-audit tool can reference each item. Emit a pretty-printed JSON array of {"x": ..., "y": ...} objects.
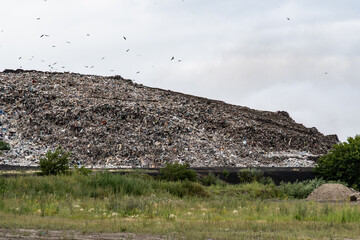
[{"x": 300, "y": 56}]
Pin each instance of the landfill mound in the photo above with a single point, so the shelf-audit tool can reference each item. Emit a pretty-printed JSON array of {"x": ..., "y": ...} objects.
[
  {"x": 114, "y": 122},
  {"x": 331, "y": 192}
]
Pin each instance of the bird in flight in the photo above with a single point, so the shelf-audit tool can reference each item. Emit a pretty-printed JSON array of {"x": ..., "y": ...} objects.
[
  {"x": 102, "y": 58},
  {"x": 128, "y": 50},
  {"x": 124, "y": 37},
  {"x": 44, "y": 35},
  {"x": 67, "y": 42},
  {"x": 172, "y": 58},
  {"x": 37, "y": 18},
  {"x": 137, "y": 72},
  {"x": 288, "y": 19}
]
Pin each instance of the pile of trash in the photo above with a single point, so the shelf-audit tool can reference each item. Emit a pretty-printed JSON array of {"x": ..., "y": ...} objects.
[{"x": 114, "y": 122}]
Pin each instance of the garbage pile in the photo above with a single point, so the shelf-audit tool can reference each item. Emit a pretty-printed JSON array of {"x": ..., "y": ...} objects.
[{"x": 114, "y": 122}]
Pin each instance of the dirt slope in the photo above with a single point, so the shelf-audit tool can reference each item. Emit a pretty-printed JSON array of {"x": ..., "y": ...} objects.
[{"x": 116, "y": 122}]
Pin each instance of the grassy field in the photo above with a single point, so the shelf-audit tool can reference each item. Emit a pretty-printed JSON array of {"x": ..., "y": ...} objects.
[{"x": 136, "y": 203}]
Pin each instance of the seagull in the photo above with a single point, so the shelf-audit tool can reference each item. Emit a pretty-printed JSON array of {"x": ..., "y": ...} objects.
[
  {"x": 172, "y": 58},
  {"x": 67, "y": 42},
  {"x": 37, "y": 18},
  {"x": 124, "y": 37},
  {"x": 128, "y": 50},
  {"x": 19, "y": 58},
  {"x": 137, "y": 72},
  {"x": 288, "y": 19},
  {"x": 44, "y": 35}
]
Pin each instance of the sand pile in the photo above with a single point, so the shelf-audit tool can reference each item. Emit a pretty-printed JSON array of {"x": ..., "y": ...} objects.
[{"x": 331, "y": 192}]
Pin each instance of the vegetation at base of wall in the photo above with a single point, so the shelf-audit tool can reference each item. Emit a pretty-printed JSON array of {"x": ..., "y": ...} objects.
[
  {"x": 210, "y": 179},
  {"x": 249, "y": 175},
  {"x": 54, "y": 163},
  {"x": 342, "y": 163},
  {"x": 225, "y": 173},
  {"x": 177, "y": 172},
  {"x": 82, "y": 170},
  {"x": 300, "y": 190},
  {"x": 4, "y": 145}
]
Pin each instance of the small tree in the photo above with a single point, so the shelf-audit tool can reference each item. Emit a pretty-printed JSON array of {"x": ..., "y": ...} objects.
[
  {"x": 341, "y": 163},
  {"x": 55, "y": 163},
  {"x": 177, "y": 172}
]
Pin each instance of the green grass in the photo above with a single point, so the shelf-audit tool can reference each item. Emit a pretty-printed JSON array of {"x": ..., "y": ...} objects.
[{"x": 104, "y": 202}]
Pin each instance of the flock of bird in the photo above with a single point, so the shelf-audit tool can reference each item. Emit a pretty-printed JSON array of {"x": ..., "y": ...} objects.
[{"x": 53, "y": 66}]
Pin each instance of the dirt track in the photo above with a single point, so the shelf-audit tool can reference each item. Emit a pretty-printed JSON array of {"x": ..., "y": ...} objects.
[{"x": 41, "y": 234}]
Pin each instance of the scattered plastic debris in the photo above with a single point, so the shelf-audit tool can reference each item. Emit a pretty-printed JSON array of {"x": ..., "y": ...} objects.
[{"x": 114, "y": 122}]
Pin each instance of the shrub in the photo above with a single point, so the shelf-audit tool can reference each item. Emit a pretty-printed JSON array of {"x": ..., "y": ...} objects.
[
  {"x": 4, "y": 145},
  {"x": 186, "y": 188},
  {"x": 82, "y": 170},
  {"x": 299, "y": 190},
  {"x": 253, "y": 175},
  {"x": 211, "y": 179},
  {"x": 342, "y": 163},
  {"x": 55, "y": 163},
  {"x": 177, "y": 172},
  {"x": 225, "y": 173}
]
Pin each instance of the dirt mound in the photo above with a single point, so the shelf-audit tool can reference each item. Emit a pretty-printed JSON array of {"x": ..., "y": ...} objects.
[
  {"x": 114, "y": 122},
  {"x": 331, "y": 192}
]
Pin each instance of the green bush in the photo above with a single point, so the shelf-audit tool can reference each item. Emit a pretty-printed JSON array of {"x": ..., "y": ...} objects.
[
  {"x": 299, "y": 190},
  {"x": 177, "y": 172},
  {"x": 225, "y": 173},
  {"x": 211, "y": 179},
  {"x": 82, "y": 170},
  {"x": 55, "y": 163},
  {"x": 253, "y": 175},
  {"x": 186, "y": 188},
  {"x": 4, "y": 145},
  {"x": 342, "y": 163}
]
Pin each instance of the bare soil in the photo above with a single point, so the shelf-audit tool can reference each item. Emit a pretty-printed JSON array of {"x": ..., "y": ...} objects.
[{"x": 41, "y": 234}]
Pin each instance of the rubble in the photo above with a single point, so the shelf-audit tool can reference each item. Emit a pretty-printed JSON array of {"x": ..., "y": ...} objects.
[{"x": 114, "y": 122}]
